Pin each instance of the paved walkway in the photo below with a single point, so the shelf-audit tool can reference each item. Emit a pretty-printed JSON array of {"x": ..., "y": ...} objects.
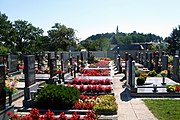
[{"x": 129, "y": 108}]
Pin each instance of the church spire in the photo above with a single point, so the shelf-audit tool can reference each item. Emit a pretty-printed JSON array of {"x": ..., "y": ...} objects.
[{"x": 117, "y": 30}]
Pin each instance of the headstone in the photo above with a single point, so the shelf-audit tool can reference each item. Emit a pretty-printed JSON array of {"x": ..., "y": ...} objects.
[
  {"x": 71, "y": 64},
  {"x": 156, "y": 63},
  {"x": 133, "y": 74},
  {"x": 78, "y": 68},
  {"x": 29, "y": 70},
  {"x": 62, "y": 67},
  {"x": 12, "y": 63},
  {"x": 2, "y": 85},
  {"x": 150, "y": 65},
  {"x": 136, "y": 57},
  {"x": 164, "y": 62},
  {"x": 129, "y": 70},
  {"x": 139, "y": 57},
  {"x": 145, "y": 60},
  {"x": 82, "y": 59},
  {"x": 30, "y": 82},
  {"x": 142, "y": 60},
  {"x": 176, "y": 75},
  {"x": 119, "y": 64},
  {"x": 2, "y": 59}
]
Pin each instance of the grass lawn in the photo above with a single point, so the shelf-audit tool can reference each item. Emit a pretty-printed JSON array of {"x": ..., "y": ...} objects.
[{"x": 164, "y": 109}]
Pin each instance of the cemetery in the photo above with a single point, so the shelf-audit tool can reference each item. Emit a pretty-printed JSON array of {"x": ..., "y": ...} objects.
[{"x": 81, "y": 84}]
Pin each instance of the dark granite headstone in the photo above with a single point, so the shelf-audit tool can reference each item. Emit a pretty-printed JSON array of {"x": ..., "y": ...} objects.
[
  {"x": 29, "y": 70},
  {"x": 12, "y": 63},
  {"x": 2, "y": 85},
  {"x": 164, "y": 62},
  {"x": 176, "y": 75},
  {"x": 150, "y": 65}
]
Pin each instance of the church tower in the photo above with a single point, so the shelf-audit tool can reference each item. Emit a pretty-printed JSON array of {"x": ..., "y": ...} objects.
[{"x": 117, "y": 30}]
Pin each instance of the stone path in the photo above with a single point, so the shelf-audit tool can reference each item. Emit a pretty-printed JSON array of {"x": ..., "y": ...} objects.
[{"x": 129, "y": 108}]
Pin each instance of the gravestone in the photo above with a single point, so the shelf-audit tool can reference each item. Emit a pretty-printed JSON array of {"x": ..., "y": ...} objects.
[
  {"x": 129, "y": 70},
  {"x": 62, "y": 67},
  {"x": 176, "y": 75},
  {"x": 82, "y": 59},
  {"x": 78, "y": 68},
  {"x": 30, "y": 82},
  {"x": 4, "y": 109},
  {"x": 12, "y": 63},
  {"x": 2, "y": 59},
  {"x": 119, "y": 64},
  {"x": 2, "y": 85},
  {"x": 145, "y": 59},
  {"x": 156, "y": 63},
  {"x": 139, "y": 57},
  {"x": 150, "y": 65},
  {"x": 133, "y": 74},
  {"x": 164, "y": 62},
  {"x": 136, "y": 57},
  {"x": 52, "y": 68},
  {"x": 142, "y": 60}
]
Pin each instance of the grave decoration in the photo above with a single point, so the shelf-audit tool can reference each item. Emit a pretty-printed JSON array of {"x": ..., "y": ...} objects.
[
  {"x": 95, "y": 72},
  {"x": 173, "y": 88},
  {"x": 11, "y": 86}
]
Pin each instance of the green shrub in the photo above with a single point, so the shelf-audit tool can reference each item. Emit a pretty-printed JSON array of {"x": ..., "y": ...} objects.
[
  {"x": 106, "y": 103},
  {"x": 152, "y": 73},
  {"x": 57, "y": 97},
  {"x": 140, "y": 80}
]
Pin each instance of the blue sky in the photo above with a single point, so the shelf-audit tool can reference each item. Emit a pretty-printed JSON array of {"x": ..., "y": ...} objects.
[{"x": 90, "y": 17}]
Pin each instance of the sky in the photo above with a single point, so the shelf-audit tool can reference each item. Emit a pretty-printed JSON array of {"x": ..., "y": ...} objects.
[{"x": 90, "y": 17}]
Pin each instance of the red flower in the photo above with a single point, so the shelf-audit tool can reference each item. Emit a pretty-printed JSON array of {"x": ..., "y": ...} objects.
[
  {"x": 9, "y": 113},
  {"x": 15, "y": 116}
]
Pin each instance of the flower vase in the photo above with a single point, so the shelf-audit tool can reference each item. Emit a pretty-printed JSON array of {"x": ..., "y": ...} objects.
[{"x": 10, "y": 98}]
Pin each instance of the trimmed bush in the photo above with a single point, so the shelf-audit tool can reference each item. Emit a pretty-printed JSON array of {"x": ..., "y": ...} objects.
[
  {"x": 106, "y": 103},
  {"x": 140, "y": 80},
  {"x": 57, "y": 97}
]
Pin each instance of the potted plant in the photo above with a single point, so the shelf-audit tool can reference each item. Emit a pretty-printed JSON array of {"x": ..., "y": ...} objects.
[{"x": 140, "y": 80}]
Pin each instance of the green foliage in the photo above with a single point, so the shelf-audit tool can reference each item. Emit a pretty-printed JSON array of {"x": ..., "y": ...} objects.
[
  {"x": 152, "y": 73},
  {"x": 140, "y": 80},
  {"x": 3, "y": 50},
  {"x": 106, "y": 103},
  {"x": 174, "y": 40},
  {"x": 95, "y": 42},
  {"x": 164, "y": 109},
  {"x": 57, "y": 97},
  {"x": 61, "y": 37}
]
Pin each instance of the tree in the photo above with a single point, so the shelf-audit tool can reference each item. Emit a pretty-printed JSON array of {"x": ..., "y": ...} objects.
[
  {"x": 6, "y": 32},
  {"x": 26, "y": 36},
  {"x": 61, "y": 37},
  {"x": 174, "y": 40}
]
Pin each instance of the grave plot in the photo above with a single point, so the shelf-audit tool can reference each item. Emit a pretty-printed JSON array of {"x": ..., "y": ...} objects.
[{"x": 156, "y": 80}]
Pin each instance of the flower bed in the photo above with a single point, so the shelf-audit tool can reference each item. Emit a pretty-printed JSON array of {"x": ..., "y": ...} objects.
[
  {"x": 173, "y": 88},
  {"x": 93, "y": 89},
  {"x": 90, "y": 81},
  {"x": 49, "y": 115},
  {"x": 85, "y": 102},
  {"x": 100, "y": 63},
  {"x": 95, "y": 72}
]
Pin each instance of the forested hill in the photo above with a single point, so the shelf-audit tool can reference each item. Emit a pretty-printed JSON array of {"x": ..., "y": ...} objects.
[
  {"x": 126, "y": 38},
  {"x": 104, "y": 41}
]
